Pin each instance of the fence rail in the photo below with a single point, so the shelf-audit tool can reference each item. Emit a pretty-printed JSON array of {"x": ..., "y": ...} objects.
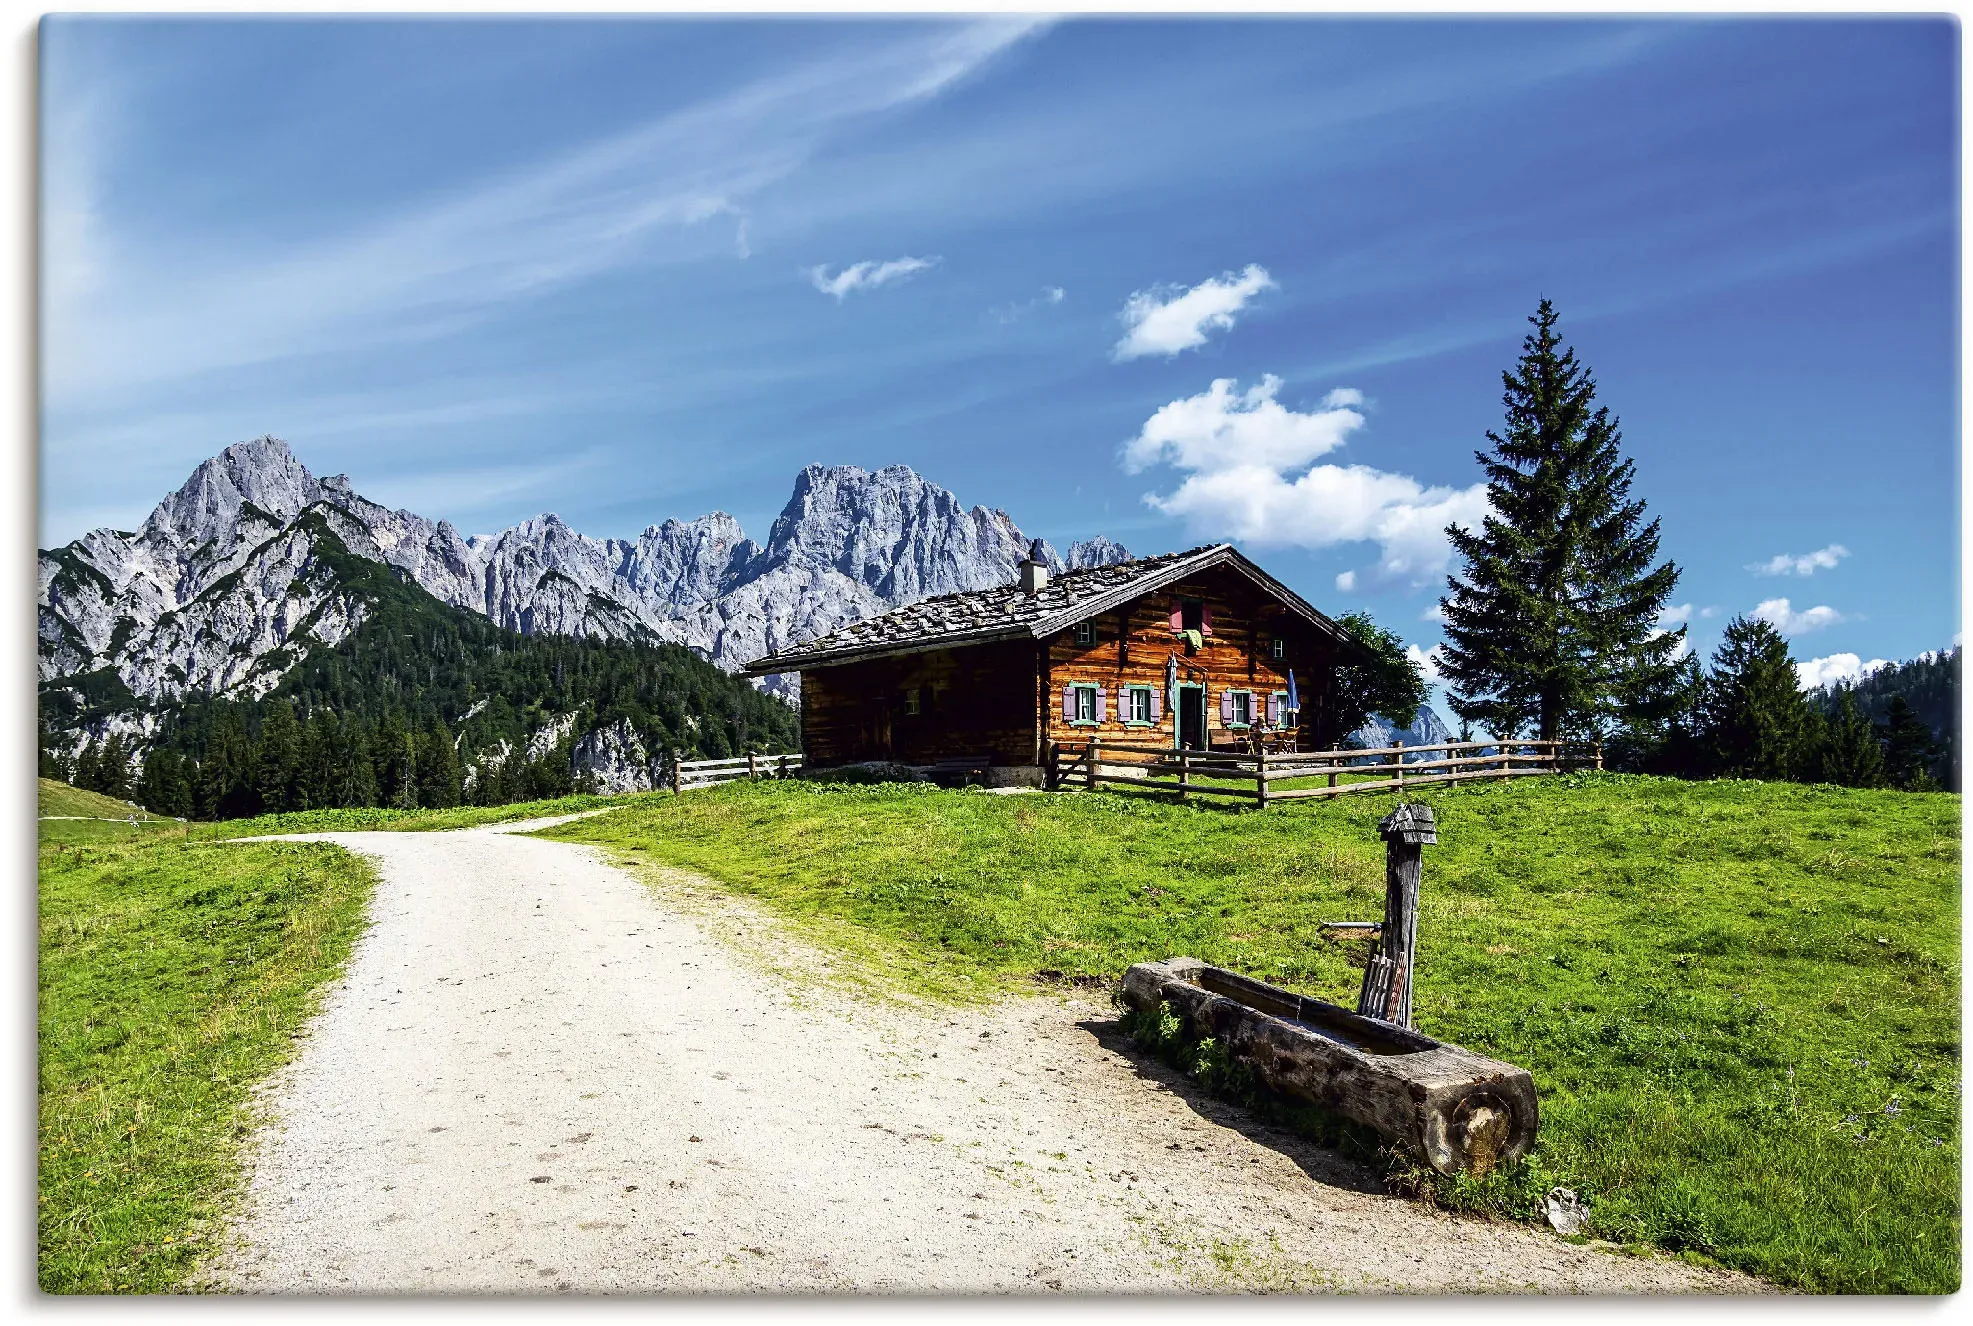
[
  {"x": 688, "y": 774},
  {"x": 1272, "y": 776}
]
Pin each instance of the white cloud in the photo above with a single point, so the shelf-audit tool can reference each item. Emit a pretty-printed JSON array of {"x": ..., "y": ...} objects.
[
  {"x": 1818, "y": 672},
  {"x": 1783, "y": 564},
  {"x": 1789, "y": 622},
  {"x": 1167, "y": 319},
  {"x": 1434, "y": 613},
  {"x": 1050, "y": 296},
  {"x": 1427, "y": 661},
  {"x": 1710, "y": 610},
  {"x": 1673, "y": 613},
  {"x": 1248, "y": 475},
  {"x": 866, "y": 275}
]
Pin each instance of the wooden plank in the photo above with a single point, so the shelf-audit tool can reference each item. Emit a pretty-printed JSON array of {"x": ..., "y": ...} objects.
[{"x": 1300, "y": 793}]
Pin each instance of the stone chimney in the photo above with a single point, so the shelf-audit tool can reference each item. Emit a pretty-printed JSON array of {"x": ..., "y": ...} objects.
[{"x": 1034, "y": 570}]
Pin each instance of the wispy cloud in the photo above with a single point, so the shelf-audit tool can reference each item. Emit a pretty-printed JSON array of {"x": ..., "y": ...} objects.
[
  {"x": 1167, "y": 319},
  {"x": 1050, "y": 296},
  {"x": 1786, "y": 620},
  {"x": 1785, "y": 564},
  {"x": 866, "y": 275},
  {"x": 1248, "y": 475},
  {"x": 120, "y": 315},
  {"x": 1427, "y": 661},
  {"x": 1820, "y": 672}
]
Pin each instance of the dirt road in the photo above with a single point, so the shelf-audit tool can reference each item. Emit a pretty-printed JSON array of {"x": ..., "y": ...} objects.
[{"x": 538, "y": 1075}]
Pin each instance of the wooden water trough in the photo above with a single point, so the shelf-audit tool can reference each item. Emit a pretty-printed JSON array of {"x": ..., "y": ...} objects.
[{"x": 1459, "y": 1111}]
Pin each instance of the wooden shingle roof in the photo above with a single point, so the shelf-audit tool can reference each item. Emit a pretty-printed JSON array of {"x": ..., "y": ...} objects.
[{"x": 1007, "y": 612}]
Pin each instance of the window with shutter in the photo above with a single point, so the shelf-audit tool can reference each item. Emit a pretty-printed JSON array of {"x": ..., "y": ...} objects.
[
  {"x": 1205, "y": 619},
  {"x": 1192, "y": 615},
  {"x": 1102, "y": 714},
  {"x": 1137, "y": 705},
  {"x": 1157, "y": 707},
  {"x": 1226, "y": 706},
  {"x": 1177, "y": 617},
  {"x": 1085, "y": 706},
  {"x": 1069, "y": 703}
]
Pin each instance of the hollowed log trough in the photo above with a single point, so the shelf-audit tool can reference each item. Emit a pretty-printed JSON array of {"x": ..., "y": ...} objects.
[{"x": 1458, "y": 1111}]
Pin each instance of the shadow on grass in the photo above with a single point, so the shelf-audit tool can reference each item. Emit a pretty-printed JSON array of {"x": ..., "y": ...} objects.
[{"x": 1324, "y": 1164}]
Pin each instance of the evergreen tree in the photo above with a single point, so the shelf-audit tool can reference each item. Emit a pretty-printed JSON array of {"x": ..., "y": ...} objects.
[
  {"x": 1756, "y": 721},
  {"x": 277, "y": 758},
  {"x": 1908, "y": 748},
  {"x": 1850, "y": 754},
  {"x": 438, "y": 768},
  {"x": 163, "y": 789},
  {"x": 1553, "y": 623},
  {"x": 113, "y": 769},
  {"x": 85, "y": 767}
]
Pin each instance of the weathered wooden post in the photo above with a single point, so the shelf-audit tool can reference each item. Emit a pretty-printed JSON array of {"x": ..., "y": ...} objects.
[
  {"x": 752, "y": 770},
  {"x": 1399, "y": 742},
  {"x": 1599, "y": 757},
  {"x": 1095, "y": 754},
  {"x": 675, "y": 779},
  {"x": 784, "y": 768},
  {"x": 1260, "y": 779},
  {"x": 1184, "y": 772},
  {"x": 1387, "y": 981}
]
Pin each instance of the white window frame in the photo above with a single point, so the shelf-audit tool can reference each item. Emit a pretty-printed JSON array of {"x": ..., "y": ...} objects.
[
  {"x": 1131, "y": 693},
  {"x": 911, "y": 701},
  {"x": 1241, "y": 699},
  {"x": 1278, "y": 648},
  {"x": 1085, "y": 692},
  {"x": 1086, "y": 633}
]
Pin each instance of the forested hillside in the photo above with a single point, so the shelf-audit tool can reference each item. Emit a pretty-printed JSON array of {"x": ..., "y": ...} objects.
[
  {"x": 1930, "y": 685},
  {"x": 423, "y": 704}
]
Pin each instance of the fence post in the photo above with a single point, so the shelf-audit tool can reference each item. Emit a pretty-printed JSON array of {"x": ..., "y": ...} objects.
[
  {"x": 1184, "y": 771},
  {"x": 1599, "y": 757},
  {"x": 1052, "y": 771},
  {"x": 1095, "y": 754},
  {"x": 1387, "y": 981},
  {"x": 1260, "y": 779},
  {"x": 784, "y": 768},
  {"x": 752, "y": 771},
  {"x": 677, "y": 766},
  {"x": 1400, "y": 746}
]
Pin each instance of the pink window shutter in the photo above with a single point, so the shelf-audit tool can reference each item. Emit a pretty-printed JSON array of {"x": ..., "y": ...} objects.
[
  {"x": 1068, "y": 704},
  {"x": 1205, "y": 619},
  {"x": 1101, "y": 708},
  {"x": 1274, "y": 711},
  {"x": 1226, "y": 706},
  {"x": 1177, "y": 615},
  {"x": 1157, "y": 707}
]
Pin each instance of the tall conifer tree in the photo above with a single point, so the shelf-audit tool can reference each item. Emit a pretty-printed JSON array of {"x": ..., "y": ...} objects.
[
  {"x": 1553, "y": 622},
  {"x": 1757, "y": 722},
  {"x": 1850, "y": 754}
]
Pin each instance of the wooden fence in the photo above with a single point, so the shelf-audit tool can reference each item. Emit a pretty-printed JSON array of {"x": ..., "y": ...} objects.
[
  {"x": 1294, "y": 776},
  {"x": 688, "y": 774}
]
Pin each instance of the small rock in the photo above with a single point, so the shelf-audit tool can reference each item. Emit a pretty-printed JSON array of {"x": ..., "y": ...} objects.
[
  {"x": 1565, "y": 1211},
  {"x": 695, "y": 1138},
  {"x": 542, "y": 1178}
]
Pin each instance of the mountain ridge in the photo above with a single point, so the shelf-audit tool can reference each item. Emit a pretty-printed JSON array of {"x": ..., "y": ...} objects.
[{"x": 220, "y": 585}]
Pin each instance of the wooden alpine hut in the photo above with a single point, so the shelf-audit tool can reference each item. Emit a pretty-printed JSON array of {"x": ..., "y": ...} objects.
[{"x": 1199, "y": 650}]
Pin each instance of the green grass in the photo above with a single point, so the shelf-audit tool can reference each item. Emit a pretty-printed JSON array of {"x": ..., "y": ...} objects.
[
  {"x": 173, "y": 976},
  {"x": 1739, "y": 1000},
  {"x": 59, "y": 798},
  {"x": 375, "y": 818}
]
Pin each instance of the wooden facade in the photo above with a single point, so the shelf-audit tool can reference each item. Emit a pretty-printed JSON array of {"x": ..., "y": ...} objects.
[{"x": 1002, "y": 702}]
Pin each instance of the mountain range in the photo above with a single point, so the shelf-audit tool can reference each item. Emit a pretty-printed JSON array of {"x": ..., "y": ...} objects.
[{"x": 240, "y": 574}]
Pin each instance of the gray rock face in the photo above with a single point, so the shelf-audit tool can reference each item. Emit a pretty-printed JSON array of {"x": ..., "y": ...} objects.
[
  {"x": 225, "y": 585},
  {"x": 1425, "y": 730}
]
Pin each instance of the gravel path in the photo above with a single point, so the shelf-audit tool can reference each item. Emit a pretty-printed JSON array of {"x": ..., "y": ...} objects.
[{"x": 540, "y": 1074}]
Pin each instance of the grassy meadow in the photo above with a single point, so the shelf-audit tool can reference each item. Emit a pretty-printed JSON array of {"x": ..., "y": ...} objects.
[
  {"x": 1739, "y": 1001},
  {"x": 173, "y": 976}
]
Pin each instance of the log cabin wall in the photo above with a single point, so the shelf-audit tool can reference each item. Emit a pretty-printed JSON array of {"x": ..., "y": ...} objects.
[
  {"x": 919, "y": 708},
  {"x": 1239, "y": 623}
]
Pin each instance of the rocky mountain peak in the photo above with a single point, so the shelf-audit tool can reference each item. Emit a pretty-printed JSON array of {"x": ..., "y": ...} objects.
[{"x": 263, "y": 473}]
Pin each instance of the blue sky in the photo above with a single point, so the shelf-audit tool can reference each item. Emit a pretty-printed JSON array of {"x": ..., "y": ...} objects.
[{"x": 1170, "y": 281}]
